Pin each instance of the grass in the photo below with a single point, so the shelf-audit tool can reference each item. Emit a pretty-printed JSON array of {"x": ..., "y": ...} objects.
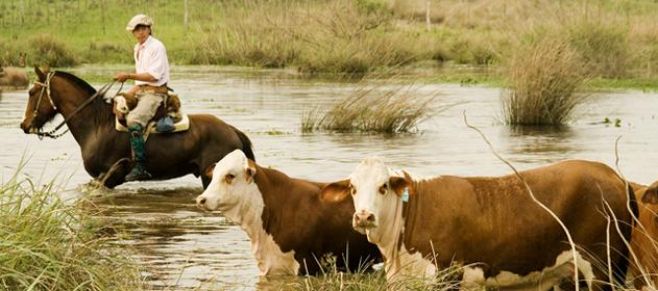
[
  {"x": 49, "y": 245},
  {"x": 365, "y": 279},
  {"x": 391, "y": 110},
  {"x": 617, "y": 39},
  {"x": 543, "y": 81}
]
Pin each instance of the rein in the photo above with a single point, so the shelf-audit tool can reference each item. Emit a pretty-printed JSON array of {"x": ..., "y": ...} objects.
[{"x": 45, "y": 87}]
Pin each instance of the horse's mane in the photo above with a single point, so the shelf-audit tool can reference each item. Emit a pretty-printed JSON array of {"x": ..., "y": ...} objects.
[
  {"x": 81, "y": 83},
  {"x": 102, "y": 109}
]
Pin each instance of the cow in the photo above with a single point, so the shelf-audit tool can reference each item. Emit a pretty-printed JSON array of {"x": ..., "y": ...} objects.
[
  {"x": 644, "y": 272},
  {"x": 13, "y": 77},
  {"x": 292, "y": 231},
  {"x": 492, "y": 226}
]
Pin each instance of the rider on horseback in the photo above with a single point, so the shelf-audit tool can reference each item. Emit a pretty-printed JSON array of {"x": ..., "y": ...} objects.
[{"x": 151, "y": 77}]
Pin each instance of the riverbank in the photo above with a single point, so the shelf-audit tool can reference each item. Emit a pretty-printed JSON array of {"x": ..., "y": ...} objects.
[{"x": 341, "y": 38}]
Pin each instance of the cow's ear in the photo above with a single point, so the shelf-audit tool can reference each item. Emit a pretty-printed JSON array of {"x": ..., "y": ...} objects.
[
  {"x": 336, "y": 191},
  {"x": 40, "y": 74},
  {"x": 209, "y": 170},
  {"x": 398, "y": 184},
  {"x": 250, "y": 171},
  {"x": 651, "y": 194}
]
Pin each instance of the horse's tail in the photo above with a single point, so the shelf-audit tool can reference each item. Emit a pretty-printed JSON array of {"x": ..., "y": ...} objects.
[{"x": 246, "y": 144}]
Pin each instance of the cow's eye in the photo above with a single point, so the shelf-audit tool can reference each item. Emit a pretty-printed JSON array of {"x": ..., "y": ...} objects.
[
  {"x": 229, "y": 178},
  {"x": 382, "y": 189},
  {"x": 352, "y": 190}
]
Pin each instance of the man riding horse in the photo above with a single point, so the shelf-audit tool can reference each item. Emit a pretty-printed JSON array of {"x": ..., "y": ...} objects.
[{"x": 151, "y": 77}]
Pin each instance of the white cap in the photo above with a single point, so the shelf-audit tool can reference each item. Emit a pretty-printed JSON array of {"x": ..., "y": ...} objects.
[{"x": 137, "y": 20}]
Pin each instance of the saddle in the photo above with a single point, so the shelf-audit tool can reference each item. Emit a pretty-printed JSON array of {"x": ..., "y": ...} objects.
[{"x": 123, "y": 103}]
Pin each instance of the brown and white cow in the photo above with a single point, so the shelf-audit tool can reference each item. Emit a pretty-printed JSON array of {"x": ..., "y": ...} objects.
[
  {"x": 491, "y": 224},
  {"x": 291, "y": 229},
  {"x": 644, "y": 242}
]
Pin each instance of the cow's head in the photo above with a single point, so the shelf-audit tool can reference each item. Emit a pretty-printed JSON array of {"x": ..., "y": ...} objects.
[
  {"x": 376, "y": 193},
  {"x": 651, "y": 194},
  {"x": 232, "y": 183}
]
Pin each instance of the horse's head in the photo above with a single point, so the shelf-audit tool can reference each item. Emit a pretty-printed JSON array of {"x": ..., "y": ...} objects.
[{"x": 40, "y": 107}]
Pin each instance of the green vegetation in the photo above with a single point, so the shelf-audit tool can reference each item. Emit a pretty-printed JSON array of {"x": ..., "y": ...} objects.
[
  {"x": 616, "y": 39},
  {"x": 48, "y": 245}
]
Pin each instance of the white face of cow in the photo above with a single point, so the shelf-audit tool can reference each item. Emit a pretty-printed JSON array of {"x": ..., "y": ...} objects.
[
  {"x": 232, "y": 184},
  {"x": 376, "y": 195}
]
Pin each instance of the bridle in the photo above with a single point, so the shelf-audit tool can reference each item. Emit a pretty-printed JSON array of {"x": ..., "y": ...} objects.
[{"x": 45, "y": 88}]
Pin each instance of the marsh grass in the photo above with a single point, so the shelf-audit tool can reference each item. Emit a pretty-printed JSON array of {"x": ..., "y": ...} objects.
[
  {"x": 365, "y": 279},
  {"x": 348, "y": 38},
  {"x": 372, "y": 109},
  {"x": 603, "y": 46},
  {"x": 49, "y": 245},
  {"x": 51, "y": 51},
  {"x": 337, "y": 37},
  {"x": 543, "y": 79}
]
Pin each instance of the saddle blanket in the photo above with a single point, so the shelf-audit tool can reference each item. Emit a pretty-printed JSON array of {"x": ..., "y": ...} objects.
[{"x": 182, "y": 125}]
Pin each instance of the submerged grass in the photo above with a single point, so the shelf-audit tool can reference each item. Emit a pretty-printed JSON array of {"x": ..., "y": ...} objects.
[
  {"x": 49, "y": 245},
  {"x": 397, "y": 109}
]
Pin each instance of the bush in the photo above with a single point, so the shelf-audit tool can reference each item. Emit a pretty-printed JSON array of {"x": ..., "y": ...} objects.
[
  {"x": 48, "y": 50},
  {"x": 543, "y": 78}
]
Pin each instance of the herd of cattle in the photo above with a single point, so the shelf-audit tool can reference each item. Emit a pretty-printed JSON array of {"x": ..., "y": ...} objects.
[
  {"x": 538, "y": 229},
  {"x": 561, "y": 226}
]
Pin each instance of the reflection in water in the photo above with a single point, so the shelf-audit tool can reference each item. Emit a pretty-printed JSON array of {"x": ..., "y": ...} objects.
[
  {"x": 182, "y": 247},
  {"x": 537, "y": 144}
]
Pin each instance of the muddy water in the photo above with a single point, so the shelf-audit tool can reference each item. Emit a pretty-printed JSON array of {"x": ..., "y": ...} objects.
[{"x": 186, "y": 248}]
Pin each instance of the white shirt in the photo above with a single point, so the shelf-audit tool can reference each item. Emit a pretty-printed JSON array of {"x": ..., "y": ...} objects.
[{"x": 151, "y": 57}]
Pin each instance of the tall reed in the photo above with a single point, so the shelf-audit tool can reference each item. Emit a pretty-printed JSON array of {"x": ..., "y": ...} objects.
[
  {"x": 543, "y": 79},
  {"x": 372, "y": 109},
  {"x": 49, "y": 245}
]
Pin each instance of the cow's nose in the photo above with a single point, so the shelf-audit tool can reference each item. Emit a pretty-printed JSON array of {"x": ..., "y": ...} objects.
[
  {"x": 25, "y": 128},
  {"x": 200, "y": 201},
  {"x": 364, "y": 218}
]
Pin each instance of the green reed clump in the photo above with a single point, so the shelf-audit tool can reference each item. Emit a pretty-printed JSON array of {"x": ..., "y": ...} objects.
[
  {"x": 372, "y": 109},
  {"x": 543, "y": 79},
  {"x": 48, "y": 245},
  {"x": 48, "y": 50}
]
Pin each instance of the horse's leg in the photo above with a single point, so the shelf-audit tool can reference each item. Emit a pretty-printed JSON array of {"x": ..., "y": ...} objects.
[{"x": 116, "y": 174}]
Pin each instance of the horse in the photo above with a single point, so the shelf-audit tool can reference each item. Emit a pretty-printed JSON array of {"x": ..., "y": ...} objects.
[{"x": 106, "y": 152}]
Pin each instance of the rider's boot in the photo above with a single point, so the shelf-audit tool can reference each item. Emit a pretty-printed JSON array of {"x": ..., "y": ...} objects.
[{"x": 138, "y": 171}]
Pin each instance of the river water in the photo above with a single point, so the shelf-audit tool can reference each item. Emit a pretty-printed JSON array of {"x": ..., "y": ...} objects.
[{"x": 187, "y": 248}]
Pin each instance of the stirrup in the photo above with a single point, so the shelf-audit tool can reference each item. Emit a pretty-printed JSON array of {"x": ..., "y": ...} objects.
[{"x": 137, "y": 174}]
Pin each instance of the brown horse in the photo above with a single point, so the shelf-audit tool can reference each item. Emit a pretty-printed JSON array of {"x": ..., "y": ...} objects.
[{"x": 106, "y": 152}]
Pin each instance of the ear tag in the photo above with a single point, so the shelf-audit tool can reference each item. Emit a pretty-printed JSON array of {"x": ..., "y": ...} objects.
[{"x": 405, "y": 195}]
